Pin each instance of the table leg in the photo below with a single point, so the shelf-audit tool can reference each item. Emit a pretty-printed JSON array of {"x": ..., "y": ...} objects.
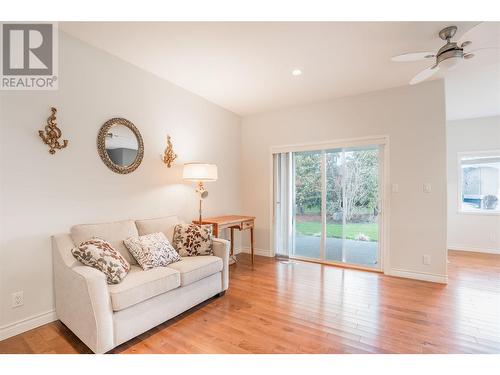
[
  {"x": 251, "y": 242},
  {"x": 232, "y": 240}
]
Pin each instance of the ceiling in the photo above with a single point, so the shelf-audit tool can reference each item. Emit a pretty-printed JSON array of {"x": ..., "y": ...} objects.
[{"x": 246, "y": 67}]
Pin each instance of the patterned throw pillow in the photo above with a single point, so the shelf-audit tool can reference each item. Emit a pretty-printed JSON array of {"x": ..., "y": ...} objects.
[
  {"x": 193, "y": 240},
  {"x": 100, "y": 254},
  {"x": 152, "y": 250}
]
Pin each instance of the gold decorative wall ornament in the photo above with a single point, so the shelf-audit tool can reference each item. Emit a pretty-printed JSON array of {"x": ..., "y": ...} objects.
[
  {"x": 169, "y": 156},
  {"x": 50, "y": 136}
]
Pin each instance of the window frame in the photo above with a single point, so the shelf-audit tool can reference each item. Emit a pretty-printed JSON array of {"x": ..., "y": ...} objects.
[{"x": 461, "y": 155}]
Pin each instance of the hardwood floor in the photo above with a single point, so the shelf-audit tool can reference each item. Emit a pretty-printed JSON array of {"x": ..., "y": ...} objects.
[{"x": 300, "y": 307}]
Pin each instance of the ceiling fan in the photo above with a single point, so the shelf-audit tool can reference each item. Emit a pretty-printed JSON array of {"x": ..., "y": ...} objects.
[{"x": 481, "y": 37}]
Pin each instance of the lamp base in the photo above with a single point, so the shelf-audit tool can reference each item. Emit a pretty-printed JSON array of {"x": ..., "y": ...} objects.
[
  {"x": 199, "y": 221},
  {"x": 200, "y": 189}
]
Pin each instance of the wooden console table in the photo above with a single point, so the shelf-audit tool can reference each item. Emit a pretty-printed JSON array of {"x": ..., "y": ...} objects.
[{"x": 231, "y": 222}]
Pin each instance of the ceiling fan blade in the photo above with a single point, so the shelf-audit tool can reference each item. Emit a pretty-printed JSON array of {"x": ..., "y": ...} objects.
[
  {"x": 491, "y": 53},
  {"x": 475, "y": 50},
  {"x": 424, "y": 74},
  {"x": 483, "y": 35},
  {"x": 414, "y": 56}
]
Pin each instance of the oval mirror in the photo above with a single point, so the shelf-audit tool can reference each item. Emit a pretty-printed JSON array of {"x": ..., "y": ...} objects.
[{"x": 120, "y": 145}]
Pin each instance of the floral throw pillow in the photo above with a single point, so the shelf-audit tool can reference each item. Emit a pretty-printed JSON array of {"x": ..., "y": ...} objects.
[
  {"x": 193, "y": 240},
  {"x": 99, "y": 254},
  {"x": 152, "y": 250}
]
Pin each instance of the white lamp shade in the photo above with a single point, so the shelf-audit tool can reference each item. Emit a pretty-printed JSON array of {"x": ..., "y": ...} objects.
[{"x": 199, "y": 172}]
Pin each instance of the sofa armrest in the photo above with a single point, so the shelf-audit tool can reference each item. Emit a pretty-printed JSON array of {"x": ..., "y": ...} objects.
[
  {"x": 83, "y": 304},
  {"x": 221, "y": 250}
]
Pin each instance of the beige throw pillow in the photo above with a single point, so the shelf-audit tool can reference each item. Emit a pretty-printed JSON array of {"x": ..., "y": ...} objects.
[
  {"x": 152, "y": 250},
  {"x": 99, "y": 254},
  {"x": 193, "y": 240}
]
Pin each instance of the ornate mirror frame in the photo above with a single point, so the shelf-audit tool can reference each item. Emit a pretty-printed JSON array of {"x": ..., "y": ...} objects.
[{"x": 101, "y": 146}]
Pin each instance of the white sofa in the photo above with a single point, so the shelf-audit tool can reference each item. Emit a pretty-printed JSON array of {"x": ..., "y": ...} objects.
[{"x": 104, "y": 316}]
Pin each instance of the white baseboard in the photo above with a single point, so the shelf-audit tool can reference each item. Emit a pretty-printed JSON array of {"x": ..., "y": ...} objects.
[
  {"x": 424, "y": 276},
  {"x": 261, "y": 252},
  {"x": 26, "y": 324},
  {"x": 475, "y": 249}
]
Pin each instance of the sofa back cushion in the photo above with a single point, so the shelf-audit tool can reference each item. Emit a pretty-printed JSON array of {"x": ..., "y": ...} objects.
[
  {"x": 165, "y": 225},
  {"x": 114, "y": 233}
]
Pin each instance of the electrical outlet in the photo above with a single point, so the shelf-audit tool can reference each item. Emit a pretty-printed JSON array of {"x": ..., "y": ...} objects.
[
  {"x": 17, "y": 299},
  {"x": 427, "y": 188},
  {"x": 426, "y": 259},
  {"x": 395, "y": 188}
]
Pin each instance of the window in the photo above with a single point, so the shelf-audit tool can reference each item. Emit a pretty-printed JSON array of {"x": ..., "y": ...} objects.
[{"x": 480, "y": 182}]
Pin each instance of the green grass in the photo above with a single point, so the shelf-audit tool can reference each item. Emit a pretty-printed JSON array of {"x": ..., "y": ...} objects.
[{"x": 308, "y": 228}]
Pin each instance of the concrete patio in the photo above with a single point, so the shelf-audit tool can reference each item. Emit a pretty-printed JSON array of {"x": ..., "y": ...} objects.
[{"x": 363, "y": 253}]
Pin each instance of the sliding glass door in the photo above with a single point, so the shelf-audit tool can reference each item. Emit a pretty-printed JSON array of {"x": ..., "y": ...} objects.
[
  {"x": 334, "y": 206},
  {"x": 352, "y": 180},
  {"x": 335, "y": 210},
  {"x": 307, "y": 192}
]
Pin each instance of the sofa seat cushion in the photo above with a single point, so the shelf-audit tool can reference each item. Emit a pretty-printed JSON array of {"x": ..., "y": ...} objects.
[
  {"x": 193, "y": 269},
  {"x": 140, "y": 285},
  {"x": 114, "y": 233}
]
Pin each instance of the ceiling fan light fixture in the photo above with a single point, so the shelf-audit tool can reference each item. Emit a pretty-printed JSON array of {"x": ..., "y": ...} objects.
[{"x": 449, "y": 62}]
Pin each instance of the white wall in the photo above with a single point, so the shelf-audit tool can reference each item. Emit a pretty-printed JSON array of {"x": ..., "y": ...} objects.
[
  {"x": 473, "y": 91},
  {"x": 474, "y": 232},
  {"x": 43, "y": 194},
  {"x": 413, "y": 117}
]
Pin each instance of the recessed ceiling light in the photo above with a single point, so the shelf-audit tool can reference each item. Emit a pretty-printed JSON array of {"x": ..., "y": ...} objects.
[{"x": 296, "y": 72}]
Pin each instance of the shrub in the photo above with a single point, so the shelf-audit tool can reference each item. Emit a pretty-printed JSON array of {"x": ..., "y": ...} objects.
[{"x": 490, "y": 202}]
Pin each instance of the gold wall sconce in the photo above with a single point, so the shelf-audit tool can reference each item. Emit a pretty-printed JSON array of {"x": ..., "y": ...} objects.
[
  {"x": 50, "y": 136},
  {"x": 169, "y": 156}
]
